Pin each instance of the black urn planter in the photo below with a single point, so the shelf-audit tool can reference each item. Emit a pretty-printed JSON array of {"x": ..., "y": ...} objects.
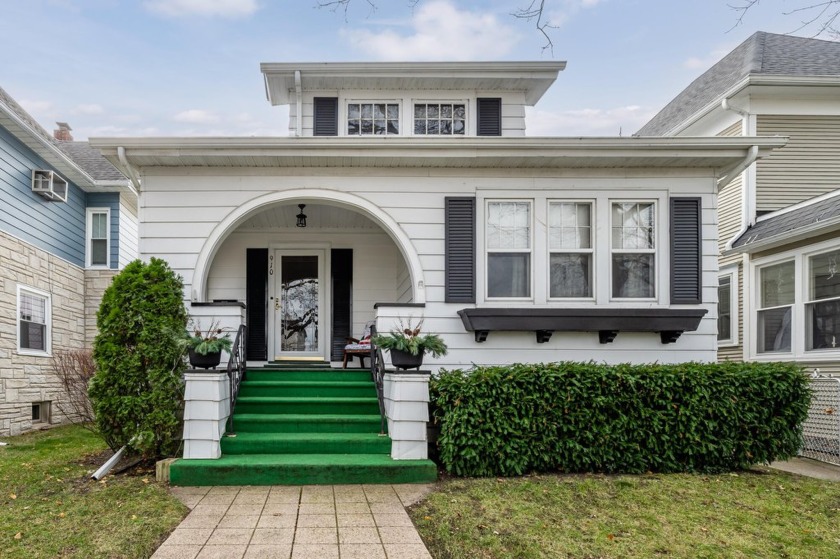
[
  {"x": 404, "y": 360},
  {"x": 209, "y": 361}
]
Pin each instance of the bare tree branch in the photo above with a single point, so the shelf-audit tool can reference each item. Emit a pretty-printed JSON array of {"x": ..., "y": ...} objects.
[
  {"x": 822, "y": 16},
  {"x": 535, "y": 12}
]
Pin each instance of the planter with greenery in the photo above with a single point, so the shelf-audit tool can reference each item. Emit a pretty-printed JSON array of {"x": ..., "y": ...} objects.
[
  {"x": 407, "y": 345},
  {"x": 205, "y": 346}
]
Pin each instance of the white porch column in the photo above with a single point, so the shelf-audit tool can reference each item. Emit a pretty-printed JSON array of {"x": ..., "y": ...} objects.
[
  {"x": 406, "y": 398},
  {"x": 206, "y": 410}
]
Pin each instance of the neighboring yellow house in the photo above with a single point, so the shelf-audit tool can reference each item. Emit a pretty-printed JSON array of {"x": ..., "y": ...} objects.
[{"x": 779, "y": 222}]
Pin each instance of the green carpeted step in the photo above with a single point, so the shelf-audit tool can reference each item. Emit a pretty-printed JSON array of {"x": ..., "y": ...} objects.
[
  {"x": 305, "y": 423},
  {"x": 306, "y": 443},
  {"x": 319, "y": 376},
  {"x": 301, "y": 469},
  {"x": 274, "y": 404},
  {"x": 312, "y": 389}
]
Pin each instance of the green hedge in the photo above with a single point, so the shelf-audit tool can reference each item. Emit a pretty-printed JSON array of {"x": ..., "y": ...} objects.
[{"x": 584, "y": 417}]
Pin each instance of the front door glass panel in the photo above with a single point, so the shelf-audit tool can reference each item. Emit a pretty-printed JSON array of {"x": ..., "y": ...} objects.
[{"x": 299, "y": 297}]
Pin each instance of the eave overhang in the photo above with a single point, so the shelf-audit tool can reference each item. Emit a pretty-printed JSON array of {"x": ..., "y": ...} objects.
[
  {"x": 51, "y": 154},
  {"x": 533, "y": 78},
  {"x": 755, "y": 82},
  {"x": 718, "y": 155}
]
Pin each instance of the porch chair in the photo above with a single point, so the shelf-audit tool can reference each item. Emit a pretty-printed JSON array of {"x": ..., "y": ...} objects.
[{"x": 359, "y": 347}]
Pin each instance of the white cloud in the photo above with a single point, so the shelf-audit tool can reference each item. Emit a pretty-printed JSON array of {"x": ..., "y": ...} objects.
[
  {"x": 32, "y": 106},
  {"x": 203, "y": 8},
  {"x": 440, "y": 31},
  {"x": 707, "y": 61},
  {"x": 88, "y": 109},
  {"x": 196, "y": 116},
  {"x": 587, "y": 122}
]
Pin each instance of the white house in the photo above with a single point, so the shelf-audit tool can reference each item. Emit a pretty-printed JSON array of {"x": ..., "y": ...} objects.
[
  {"x": 424, "y": 198},
  {"x": 779, "y": 219}
]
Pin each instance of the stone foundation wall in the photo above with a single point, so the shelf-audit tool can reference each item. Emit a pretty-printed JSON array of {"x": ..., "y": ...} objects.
[
  {"x": 25, "y": 379},
  {"x": 96, "y": 282}
]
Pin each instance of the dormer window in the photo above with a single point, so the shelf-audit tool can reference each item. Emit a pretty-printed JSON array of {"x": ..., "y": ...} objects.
[
  {"x": 444, "y": 119},
  {"x": 373, "y": 119}
]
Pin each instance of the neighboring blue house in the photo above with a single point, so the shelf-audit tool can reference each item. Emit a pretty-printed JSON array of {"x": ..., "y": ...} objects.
[{"x": 68, "y": 222}]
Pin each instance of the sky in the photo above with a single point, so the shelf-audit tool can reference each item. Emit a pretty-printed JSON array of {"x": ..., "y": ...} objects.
[{"x": 191, "y": 67}]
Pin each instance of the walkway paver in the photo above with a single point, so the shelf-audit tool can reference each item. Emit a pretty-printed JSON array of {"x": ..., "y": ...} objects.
[{"x": 282, "y": 522}]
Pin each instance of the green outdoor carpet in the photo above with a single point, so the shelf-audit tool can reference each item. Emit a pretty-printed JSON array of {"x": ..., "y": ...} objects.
[{"x": 304, "y": 426}]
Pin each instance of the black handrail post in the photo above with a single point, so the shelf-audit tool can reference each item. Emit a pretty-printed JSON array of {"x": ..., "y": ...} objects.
[
  {"x": 377, "y": 369},
  {"x": 236, "y": 370}
]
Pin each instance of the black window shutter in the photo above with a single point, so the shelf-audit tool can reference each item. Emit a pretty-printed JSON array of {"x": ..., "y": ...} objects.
[
  {"x": 342, "y": 293},
  {"x": 256, "y": 302},
  {"x": 686, "y": 251},
  {"x": 460, "y": 250},
  {"x": 326, "y": 116},
  {"x": 489, "y": 117}
]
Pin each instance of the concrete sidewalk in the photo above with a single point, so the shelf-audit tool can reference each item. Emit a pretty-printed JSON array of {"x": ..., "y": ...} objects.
[
  {"x": 809, "y": 468},
  {"x": 317, "y": 522}
]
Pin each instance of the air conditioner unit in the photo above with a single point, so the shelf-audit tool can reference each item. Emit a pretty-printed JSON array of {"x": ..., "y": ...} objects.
[{"x": 49, "y": 185}]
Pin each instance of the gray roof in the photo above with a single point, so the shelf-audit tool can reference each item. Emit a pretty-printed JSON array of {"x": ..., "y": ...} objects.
[
  {"x": 81, "y": 153},
  {"x": 764, "y": 54},
  {"x": 19, "y": 111},
  {"x": 91, "y": 160},
  {"x": 807, "y": 217}
]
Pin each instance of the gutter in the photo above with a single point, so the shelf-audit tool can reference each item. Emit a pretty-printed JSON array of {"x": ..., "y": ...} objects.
[
  {"x": 127, "y": 168},
  {"x": 785, "y": 238}
]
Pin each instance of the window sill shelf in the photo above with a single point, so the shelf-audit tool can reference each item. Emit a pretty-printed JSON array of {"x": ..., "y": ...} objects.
[{"x": 668, "y": 323}]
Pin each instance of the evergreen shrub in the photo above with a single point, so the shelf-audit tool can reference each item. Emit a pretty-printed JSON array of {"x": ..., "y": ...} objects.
[
  {"x": 585, "y": 417},
  {"x": 137, "y": 391}
]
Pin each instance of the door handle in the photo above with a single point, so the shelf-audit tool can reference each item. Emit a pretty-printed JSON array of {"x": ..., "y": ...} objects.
[{"x": 277, "y": 304}]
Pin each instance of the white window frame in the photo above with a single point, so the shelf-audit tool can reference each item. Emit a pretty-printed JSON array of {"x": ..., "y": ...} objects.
[
  {"x": 808, "y": 301},
  {"x": 657, "y": 251},
  {"x": 464, "y": 102},
  {"x": 801, "y": 258},
  {"x": 732, "y": 273},
  {"x": 591, "y": 251},
  {"x": 47, "y": 351},
  {"x": 89, "y": 237},
  {"x": 345, "y": 116},
  {"x": 530, "y": 250}
]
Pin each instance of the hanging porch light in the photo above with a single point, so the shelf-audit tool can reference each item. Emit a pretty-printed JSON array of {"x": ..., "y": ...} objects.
[{"x": 301, "y": 217}]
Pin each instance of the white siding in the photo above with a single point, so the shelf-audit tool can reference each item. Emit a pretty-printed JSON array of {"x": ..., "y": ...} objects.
[
  {"x": 128, "y": 229},
  {"x": 182, "y": 206},
  {"x": 809, "y": 165}
]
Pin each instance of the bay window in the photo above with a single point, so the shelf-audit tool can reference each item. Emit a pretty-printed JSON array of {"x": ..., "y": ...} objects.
[
  {"x": 508, "y": 242},
  {"x": 775, "y": 307},
  {"x": 633, "y": 248},
  {"x": 822, "y": 309},
  {"x": 570, "y": 249}
]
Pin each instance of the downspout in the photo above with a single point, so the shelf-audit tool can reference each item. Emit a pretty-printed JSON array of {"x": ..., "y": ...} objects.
[
  {"x": 128, "y": 168},
  {"x": 298, "y": 105},
  {"x": 751, "y": 157}
]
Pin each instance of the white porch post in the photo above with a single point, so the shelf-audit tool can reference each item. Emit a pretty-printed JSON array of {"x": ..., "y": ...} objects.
[
  {"x": 206, "y": 410},
  {"x": 406, "y": 398}
]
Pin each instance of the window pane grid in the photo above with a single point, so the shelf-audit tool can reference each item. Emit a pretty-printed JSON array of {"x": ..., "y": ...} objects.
[
  {"x": 374, "y": 119},
  {"x": 99, "y": 226},
  {"x": 33, "y": 308},
  {"x": 570, "y": 249},
  {"x": 443, "y": 119}
]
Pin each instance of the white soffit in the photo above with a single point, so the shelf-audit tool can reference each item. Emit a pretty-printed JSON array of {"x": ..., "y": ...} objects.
[{"x": 533, "y": 78}]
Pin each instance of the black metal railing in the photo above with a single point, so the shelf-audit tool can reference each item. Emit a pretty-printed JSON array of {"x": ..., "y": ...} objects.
[
  {"x": 377, "y": 372},
  {"x": 236, "y": 370}
]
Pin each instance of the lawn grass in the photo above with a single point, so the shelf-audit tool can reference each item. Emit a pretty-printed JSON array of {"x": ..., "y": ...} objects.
[
  {"x": 49, "y": 508},
  {"x": 744, "y": 515}
]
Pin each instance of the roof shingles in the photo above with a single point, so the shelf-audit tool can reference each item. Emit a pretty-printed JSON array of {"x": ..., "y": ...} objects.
[{"x": 763, "y": 53}]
